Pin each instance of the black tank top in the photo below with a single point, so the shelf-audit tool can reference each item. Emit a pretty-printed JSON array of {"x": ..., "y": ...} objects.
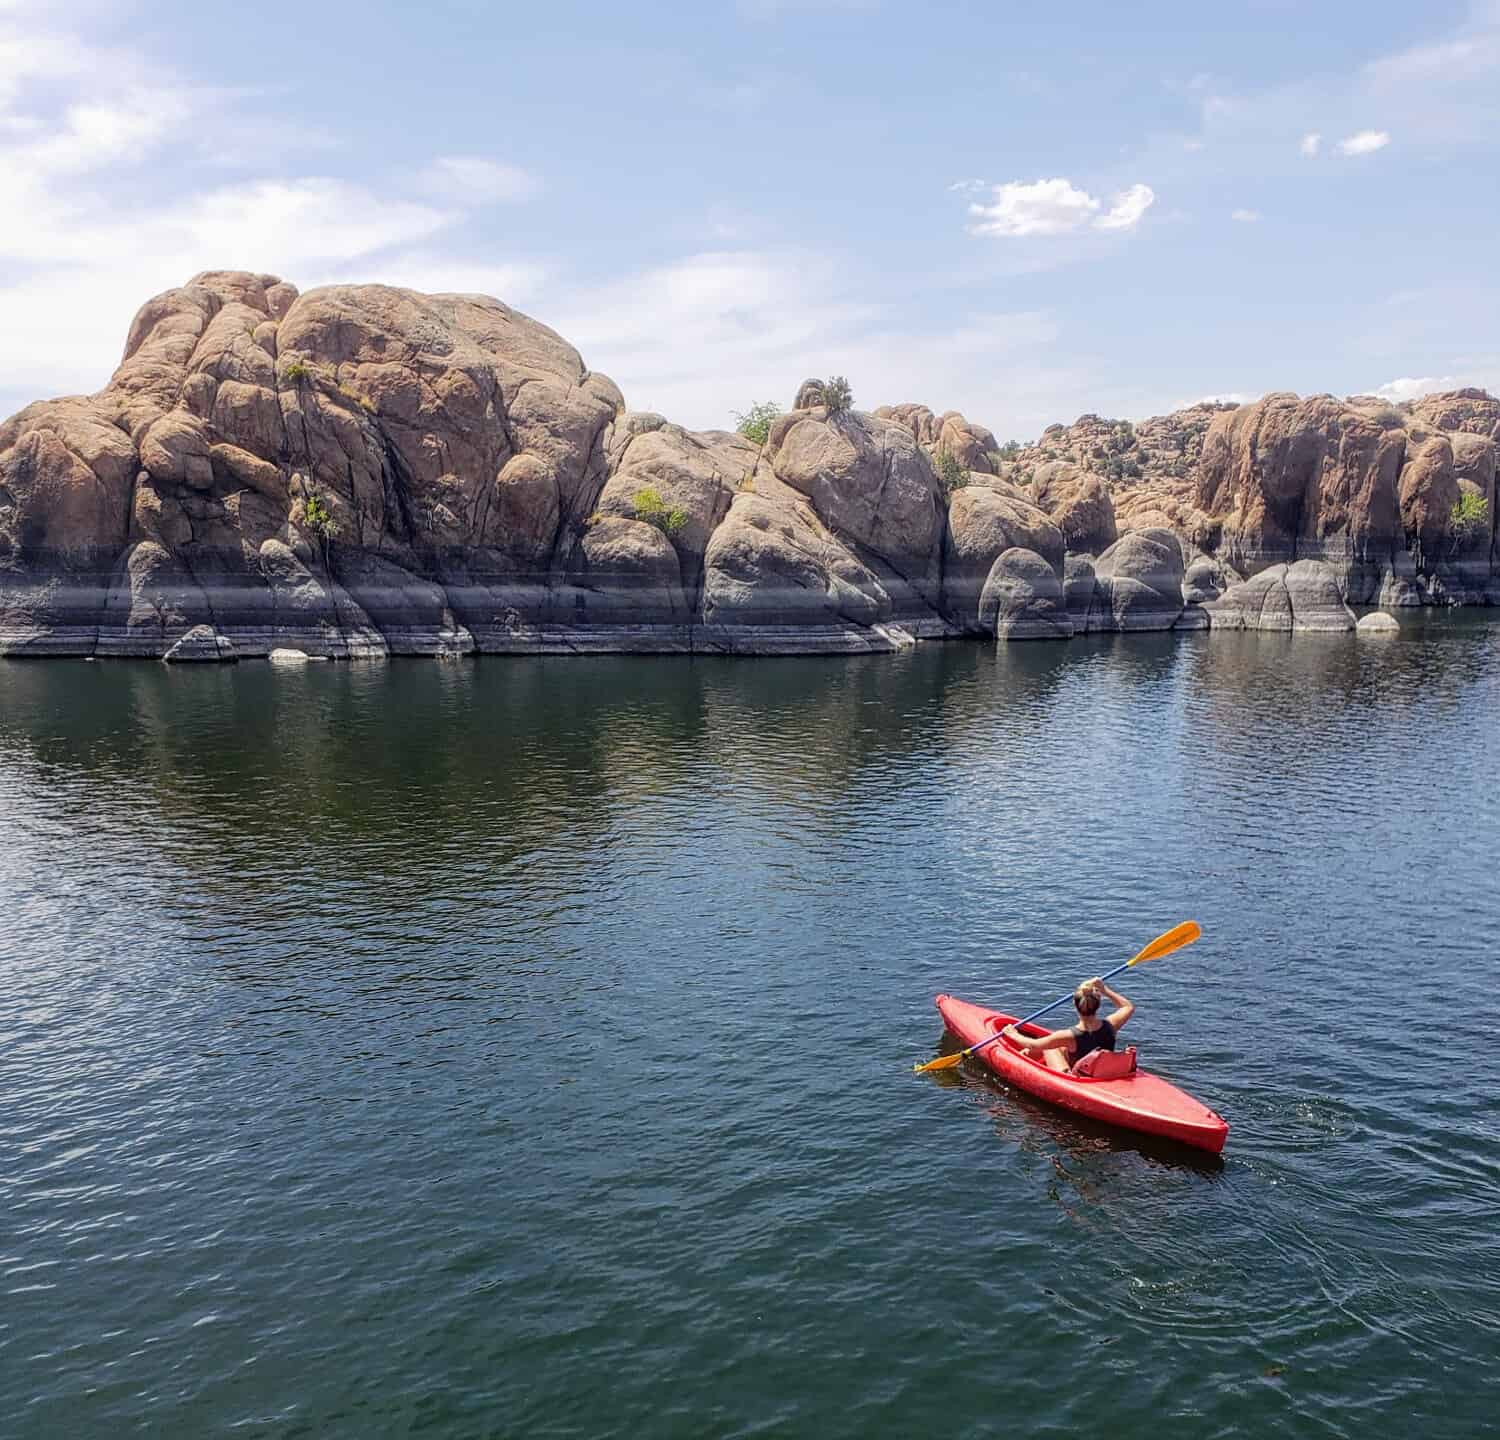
[{"x": 1086, "y": 1040}]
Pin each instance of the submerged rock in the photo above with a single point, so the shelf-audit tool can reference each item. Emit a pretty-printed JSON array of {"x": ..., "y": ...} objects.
[{"x": 202, "y": 642}]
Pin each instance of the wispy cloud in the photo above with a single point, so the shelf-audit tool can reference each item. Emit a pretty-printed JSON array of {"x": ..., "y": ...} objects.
[
  {"x": 1129, "y": 206},
  {"x": 772, "y": 9},
  {"x": 474, "y": 180},
  {"x": 97, "y": 242},
  {"x": 1364, "y": 142},
  {"x": 1245, "y": 217},
  {"x": 670, "y": 335},
  {"x": 1413, "y": 387},
  {"x": 1312, "y": 142},
  {"x": 1055, "y": 207},
  {"x": 1228, "y": 397},
  {"x": 1474, "y": 53}
]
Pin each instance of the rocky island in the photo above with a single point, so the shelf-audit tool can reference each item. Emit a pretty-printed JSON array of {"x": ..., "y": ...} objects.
[{"x": 362, "y": 471}]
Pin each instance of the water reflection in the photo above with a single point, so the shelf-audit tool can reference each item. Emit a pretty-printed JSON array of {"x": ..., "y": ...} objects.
[{"x": 380, "y": 1003}]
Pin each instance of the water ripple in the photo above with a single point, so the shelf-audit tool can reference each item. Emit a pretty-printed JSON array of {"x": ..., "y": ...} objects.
[{"x": 523, "y": 1048}]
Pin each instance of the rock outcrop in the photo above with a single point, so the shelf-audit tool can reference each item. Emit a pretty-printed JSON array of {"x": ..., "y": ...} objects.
[
  {"x": 1023, "y": 599},
  {"x": 1288, "y": 479},
  {"x": 1078, "y": 590},
  {"x": 971, "y": 445},
  {"x": 361, "y": 471},
  {"x": 984, "y": 521},
  {"x": 364, "y": 470},
  {"x": 1305, "y": 596},
  {"x": 1138, "y": 583},
  {"x": 1368, "y": 487},
  {"x": 870, "y": 484},
  {"x": 1080, "y": 506}
]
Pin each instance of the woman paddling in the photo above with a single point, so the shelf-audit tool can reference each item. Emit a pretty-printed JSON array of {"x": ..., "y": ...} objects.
[{"x": 1062, "y": 1049}]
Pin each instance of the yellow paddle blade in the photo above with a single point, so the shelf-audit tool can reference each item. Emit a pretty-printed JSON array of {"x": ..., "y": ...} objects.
[
  {"x": 943, "y": 1062},
  {"x": 1175, "y": 939}
]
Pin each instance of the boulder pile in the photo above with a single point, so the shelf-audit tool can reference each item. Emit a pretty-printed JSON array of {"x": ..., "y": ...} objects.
[{"x": 362, "y": 470}]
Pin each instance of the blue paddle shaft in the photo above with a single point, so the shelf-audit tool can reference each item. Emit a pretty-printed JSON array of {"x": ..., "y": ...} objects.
[{"x": 1036, "y": 1014}]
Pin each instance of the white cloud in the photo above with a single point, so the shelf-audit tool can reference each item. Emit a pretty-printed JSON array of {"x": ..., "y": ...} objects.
[
  {"x": 1055, "y": 207},
  {"x": 473, "y": 180},
  {"x": 1046, "y": 207},
  {"x": 710, "y": 332},
  {"x": 66, "y": 319},
  {"x": 1245, "y": 217},
  {"x": 291, "y": 225},
  {"x": 969, "y": 187},
  {"x": 1129, "y": 206},
  {"x": 692, "y": 338},
  {"x": 1441, "y": 93},
  {"x": 519, "y": 284},
  {"x": 1410, "y": 387},
  {"x": 1472, "y": 54},
  {"x": 1364, "y": 142},
  {"x": 96, "y": 241},
  {"x": 260, "y": 225}
]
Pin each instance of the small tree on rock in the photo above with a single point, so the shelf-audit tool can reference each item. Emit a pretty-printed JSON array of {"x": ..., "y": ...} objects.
[
  {"x": 951, "y": 472},
  {"x": 755, "y": 423},
  {"x": 318, "y": 521},
  {"x": 1469, "y": 516},
  {"x": 837, "y": 396}
]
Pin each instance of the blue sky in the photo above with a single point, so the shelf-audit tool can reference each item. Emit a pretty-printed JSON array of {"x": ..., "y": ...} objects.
[{"x": 1020, "y": 212}]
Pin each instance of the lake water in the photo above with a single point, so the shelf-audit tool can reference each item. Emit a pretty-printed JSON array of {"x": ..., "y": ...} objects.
[{"x": 523, "y": 1048}]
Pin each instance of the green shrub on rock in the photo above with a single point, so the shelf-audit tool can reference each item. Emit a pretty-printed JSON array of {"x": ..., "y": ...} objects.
[
  {"x": 951, "y": 472},
  {"x": 1469, "y": 516},
  {"x": 650, "y": 507},
  {"x": 317, "y": 517},
  {"x": 837, "y": 395},
  {"x": 755, "y": 423}
]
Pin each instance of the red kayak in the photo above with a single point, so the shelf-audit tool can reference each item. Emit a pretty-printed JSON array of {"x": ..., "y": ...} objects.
[{"x": 1140, "y": 1102}]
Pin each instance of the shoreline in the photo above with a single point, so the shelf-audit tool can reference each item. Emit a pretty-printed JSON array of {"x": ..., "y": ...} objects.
[
  {"x": 362, "y": 471},
  {"x": 691, "y": 642}
]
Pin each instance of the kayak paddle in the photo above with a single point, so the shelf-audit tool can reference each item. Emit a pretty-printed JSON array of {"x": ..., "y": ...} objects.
[{"x": 1176, "y": 938}]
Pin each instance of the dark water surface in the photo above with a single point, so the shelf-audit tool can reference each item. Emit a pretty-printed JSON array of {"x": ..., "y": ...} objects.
[{"x": 523, "y": 1048}]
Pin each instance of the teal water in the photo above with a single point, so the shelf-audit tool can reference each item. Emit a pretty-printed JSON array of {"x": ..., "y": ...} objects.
[{"x": 524, "y": 1048}]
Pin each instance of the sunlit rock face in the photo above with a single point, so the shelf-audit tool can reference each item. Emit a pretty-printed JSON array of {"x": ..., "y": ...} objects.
[{"x": 363, "y": 470}]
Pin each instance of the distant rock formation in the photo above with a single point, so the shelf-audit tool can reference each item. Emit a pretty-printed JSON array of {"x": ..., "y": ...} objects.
[{"x": 361, "y": 471}]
